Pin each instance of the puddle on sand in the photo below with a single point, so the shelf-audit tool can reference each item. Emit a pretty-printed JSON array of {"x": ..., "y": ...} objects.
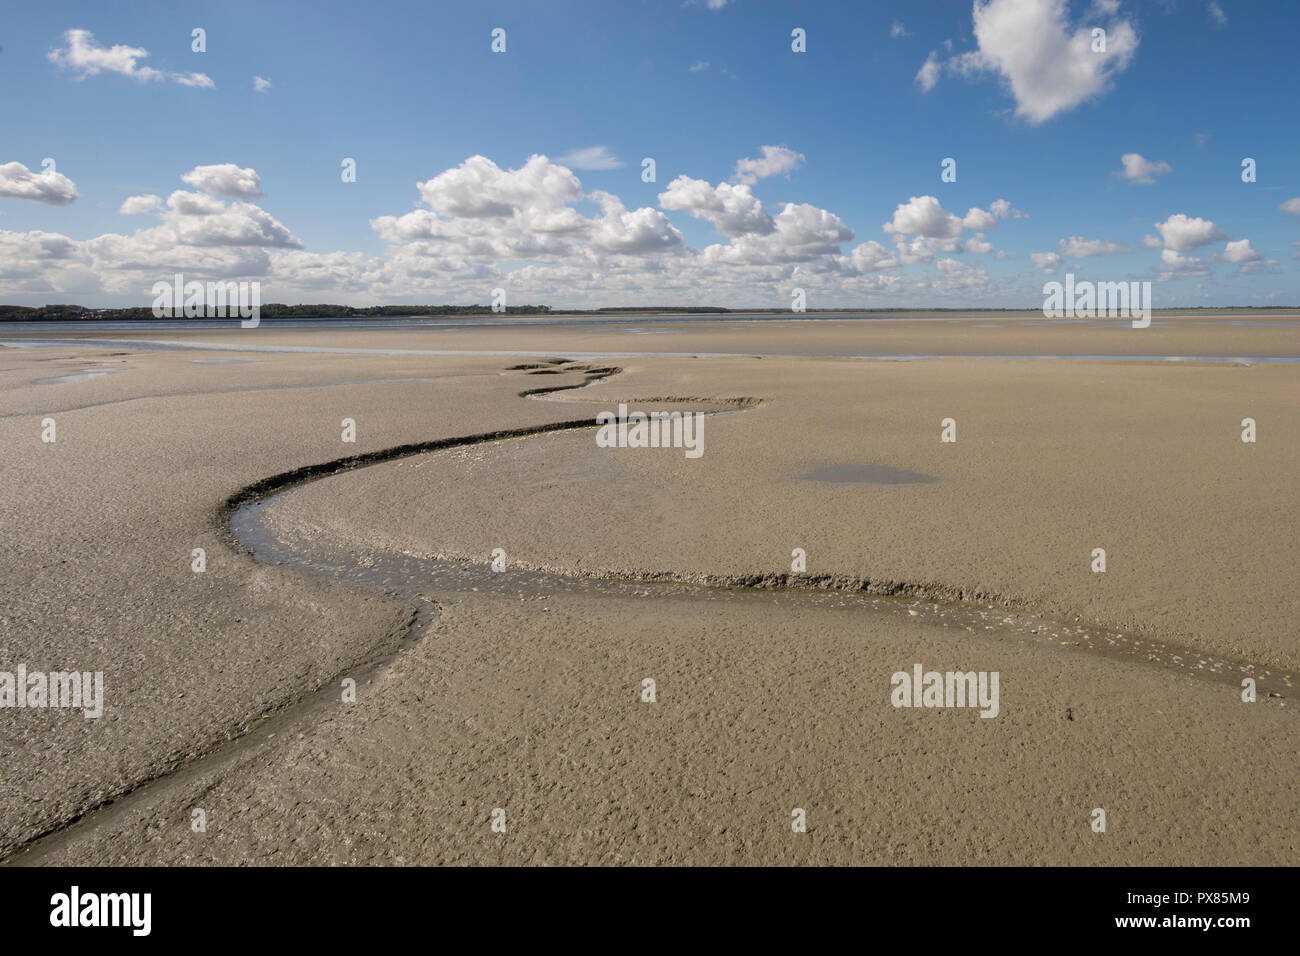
[
  {"x": 869, "y": 474},
  {"x": 85, "y": 375}
]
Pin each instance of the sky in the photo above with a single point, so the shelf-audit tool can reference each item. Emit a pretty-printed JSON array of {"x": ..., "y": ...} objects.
[{"x": 128, "y": 156}]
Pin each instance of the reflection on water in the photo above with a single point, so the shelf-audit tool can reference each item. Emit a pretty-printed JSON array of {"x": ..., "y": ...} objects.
[{"x": 85, "y": 375}]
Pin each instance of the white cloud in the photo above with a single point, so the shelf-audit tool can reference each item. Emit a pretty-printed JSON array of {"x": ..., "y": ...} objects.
[
  {"x": 140, "y": 205},
  {"x": 1076, "y": 247},
  {"x": 196, "y": 233},
  {"x": 479, "y": 226},
  {"x": 478, "y": 188},
  {"x": 897, "y": 30},
  {"x": 800, "y": 232},
  {"x": 1245, "y": 257},
  {"x": 194, "y": 204},
  {"x": 1048, "y": 66},
  {"x": 1291, "y": 206},
  {"x": 928, "y": 75},
  {"x": 733, "y": 209},
  {"x": 870, "y": 256},
  {"x": 1217, "y": 15},
  {"x": 1151, "y": 242},
  {"x": 82, "y": 56},
  {"x": 1045, "y": 261},
  {"x": 1178, "y": 265},
  {"x": 699, "y": 66},
  {"x": 479, "y": 214},
  {"x": 1004, "y": 210},
  {"x": 1240, "y": 251},
  {"x": 1139, "y": 170},
  {"x": 639, "y": 232},
  {"x": 1181, "y": 232},
  {"x": 592, "y": 157},
  {"x": 924, "y": 216},
  {"x": 261, "y": 84},
  {"x": 776, "y": 161},
  {"x": 200, "y": 80},
  {"x": 225, "y": 179},
  {"x": 49, "y": 187}
]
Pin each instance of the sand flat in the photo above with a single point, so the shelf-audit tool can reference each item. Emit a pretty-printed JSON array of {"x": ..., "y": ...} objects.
[{"x": 767, "y": 704}]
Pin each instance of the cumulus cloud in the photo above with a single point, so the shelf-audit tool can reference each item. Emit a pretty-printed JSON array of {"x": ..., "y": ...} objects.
[
  {"x": 1240, "y": 251},
  {"x": 81, "y": 55},
  {"x": 1049, "y": 66},
  {"x": 140, "y": 205},
  {"x": 1177, "y": 265},
  {"x": 1141, "y": 171},
  {"x": 479, "y": 214},
  {"x": 1004, "y": 210},
  {"x": 49, "y": 187},
  {"x": 870, "y": 256},
  {"x": 638, "y": 232},
  {"x": 1077, "y": 247},
  {"x": 1291, "y": 206},
  {"x": 699, "y": 66},
  {"x": 1245, "y": 257},
  {"x": 924, "y": 216},
  {"x": 478, "y": 226},
  {"x": 261, "y": 84},
  {"x": 225, "y": 179},
  {"x": 478, "y": 188},
  {"x": 979, "y": 219},
  {"x": 775, "y": 161},
  {"x": 734, "y": 210},
  {"x": 1045, "y": 261},
  {"x": 799, "y": 232},
  {"x": 195, "y": 233},
  {"x": 1181, "y": 232},
  {"x": 592, "y": 157}
]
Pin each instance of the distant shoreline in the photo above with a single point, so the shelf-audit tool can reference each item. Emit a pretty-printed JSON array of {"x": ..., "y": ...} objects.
[{"x": 274, "y": 310}]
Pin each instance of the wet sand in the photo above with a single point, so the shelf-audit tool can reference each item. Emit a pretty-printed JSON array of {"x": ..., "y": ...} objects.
[{"x": 530, "y": 700}]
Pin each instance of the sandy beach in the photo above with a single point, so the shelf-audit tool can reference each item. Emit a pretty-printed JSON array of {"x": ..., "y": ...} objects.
[{"x": 522, "y": 689}]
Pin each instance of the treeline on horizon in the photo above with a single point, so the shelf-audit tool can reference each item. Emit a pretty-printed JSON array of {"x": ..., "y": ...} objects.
[{"x": 273, "y": 310}]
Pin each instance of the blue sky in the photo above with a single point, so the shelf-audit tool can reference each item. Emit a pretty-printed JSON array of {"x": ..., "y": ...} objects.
[{"x": 855, "y": 130}]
